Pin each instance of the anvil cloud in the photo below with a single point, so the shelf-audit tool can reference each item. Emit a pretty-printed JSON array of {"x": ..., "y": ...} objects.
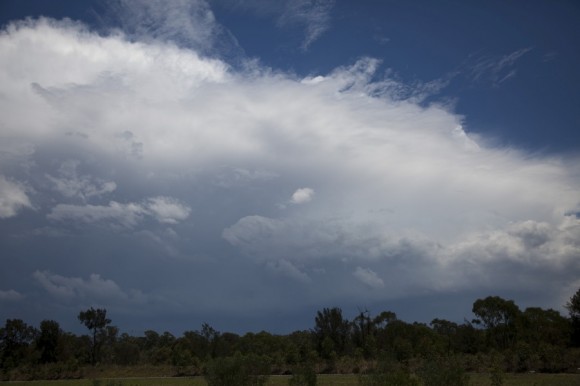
[{"x": 151, "y": 178}]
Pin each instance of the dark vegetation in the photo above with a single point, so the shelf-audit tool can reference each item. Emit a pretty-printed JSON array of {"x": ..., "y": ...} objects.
[{"x": 381, "y": 349}]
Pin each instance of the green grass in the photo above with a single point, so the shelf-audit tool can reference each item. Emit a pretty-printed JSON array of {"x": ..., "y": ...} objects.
[{"x": 323, "y": 380}]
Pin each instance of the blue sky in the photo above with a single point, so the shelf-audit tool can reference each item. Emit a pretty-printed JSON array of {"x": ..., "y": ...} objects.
[{"x": 246, "y": 163}]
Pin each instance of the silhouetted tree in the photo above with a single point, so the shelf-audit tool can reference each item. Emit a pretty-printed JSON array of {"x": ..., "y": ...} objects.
[
  {"x": 15, "y": 339},
  {"x": 573, "y": 307},
  {"x": 331, "y": 331},
  {"x": 48, "y": 341},
  {"x": 500, "y": 318},
  {"x": 96, "y": 321}
]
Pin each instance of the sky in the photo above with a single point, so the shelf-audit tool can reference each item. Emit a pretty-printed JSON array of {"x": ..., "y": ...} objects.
[{"x": 247, "y": 163}]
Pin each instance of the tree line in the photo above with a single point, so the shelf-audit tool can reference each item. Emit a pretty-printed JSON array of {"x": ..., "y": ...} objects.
[{"x": 502, "y": 337}]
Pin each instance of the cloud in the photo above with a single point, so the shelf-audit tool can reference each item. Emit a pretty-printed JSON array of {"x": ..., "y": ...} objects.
[
  {"x": 368, "y": 277},
  {"x": 314, "y": 15},
  {"x": 302, "y": 196},
  {"x": 71, "y": 185},
  {"x": 403, "y": 193},
  {"x": 11, "y": 296},
  {"x": 285, "y": 268},
  {"x": 496, "y": 69},
  {"x": 126, "y": 215},
  {"x": 13, "y": 197},
  {"x": 94, "y": 288},
  {"x": 166, "y": 210},
  {"x": 187, "y": 23}
]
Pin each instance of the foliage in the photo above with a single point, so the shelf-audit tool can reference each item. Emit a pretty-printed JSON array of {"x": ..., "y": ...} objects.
[
  {"x": 331, "y": 332},
  {"x": 95, "y": 320},
  {"x": 443, "y": 371},
  {"x": 389, "y": 373},
  {"x": 502, "y": 339},
  {"x": 303, "y": 375},
  {"x": 500, "y": 318},
  {"x": 237, "y": 370}
]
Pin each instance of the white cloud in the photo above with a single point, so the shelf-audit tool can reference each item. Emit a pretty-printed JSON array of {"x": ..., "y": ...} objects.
[
  {"x": 11, "y": 296},
  {"x": 70, "y": 184},
  {"x": 496, "y": 69},
  {"x": 368, "y": 277},
  {"x": 94, "y": 288},
  {"x": 302, "y": 195},
  {"x": 13, "y": 197},
  {"x": 189, "y": 23},
  {"x": 126, "y": 215},
  {"x": 406, "y": 189},
  {"x": 166, "y": 210},
  {"x": 314, "y": 15}
]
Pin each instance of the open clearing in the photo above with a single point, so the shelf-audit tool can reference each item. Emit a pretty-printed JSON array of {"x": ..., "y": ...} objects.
[{"x": 323, "y": 380}]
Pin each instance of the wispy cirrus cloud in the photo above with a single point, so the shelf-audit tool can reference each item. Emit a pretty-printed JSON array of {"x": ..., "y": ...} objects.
[
  {"x": 495, "y": 68},
  {"x": 313, "y": 15},
  {"x": 187, "y": 23}
]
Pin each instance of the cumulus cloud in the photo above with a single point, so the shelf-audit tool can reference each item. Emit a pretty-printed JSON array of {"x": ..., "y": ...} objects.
[
  {"x": 368, "y": 277},
  {"x": 13, "y": 197},
  {"x": 11, "y": 295},
  {"x": 95, "y": 288},
  {"x": 302, "y": 195},
  {"x": 167, "y": 210}
]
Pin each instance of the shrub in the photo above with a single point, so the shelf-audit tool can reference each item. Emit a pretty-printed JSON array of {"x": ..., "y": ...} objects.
[
  {"x": 251, "y": 370},
  {"x": 303, "y": 375},
  {"x": 389, "y": 374},
  {"x": 443, "y": 372}
]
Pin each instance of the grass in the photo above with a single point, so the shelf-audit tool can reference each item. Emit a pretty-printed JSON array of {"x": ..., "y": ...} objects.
[{"x": 323, "y": 380}]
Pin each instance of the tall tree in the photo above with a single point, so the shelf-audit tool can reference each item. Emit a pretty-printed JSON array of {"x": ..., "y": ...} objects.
[
  {"x": 331, "y": 331},
  {"x": 15, "y": 339},
  {"x": 573, "y": 307},
  {"x": 48, "y": 341},
  {"x": 96, "y": 321},
  {"x": 500, "y": 317}
]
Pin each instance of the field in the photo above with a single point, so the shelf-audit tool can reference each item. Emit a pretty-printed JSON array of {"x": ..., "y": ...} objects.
[{"x": 323, "y": 380}]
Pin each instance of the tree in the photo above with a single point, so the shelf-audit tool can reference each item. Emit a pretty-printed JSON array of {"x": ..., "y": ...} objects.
[
  {"x": 15, "y": 339},
  {"x": 96, "y": 321},
  {"x": 573, "y": 307},
  {"x": 500, "y": 317},
  {"x": 48, "y": 341},
  {"x": 331, "y": 331}
]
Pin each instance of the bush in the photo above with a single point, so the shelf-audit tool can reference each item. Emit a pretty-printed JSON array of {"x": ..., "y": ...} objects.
[
  {"x": 251, "y": 370},
  {"x": 389, "y": 374},
  {"x": 443, "y": 372},
  {"x": 303, "y": 375}
]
